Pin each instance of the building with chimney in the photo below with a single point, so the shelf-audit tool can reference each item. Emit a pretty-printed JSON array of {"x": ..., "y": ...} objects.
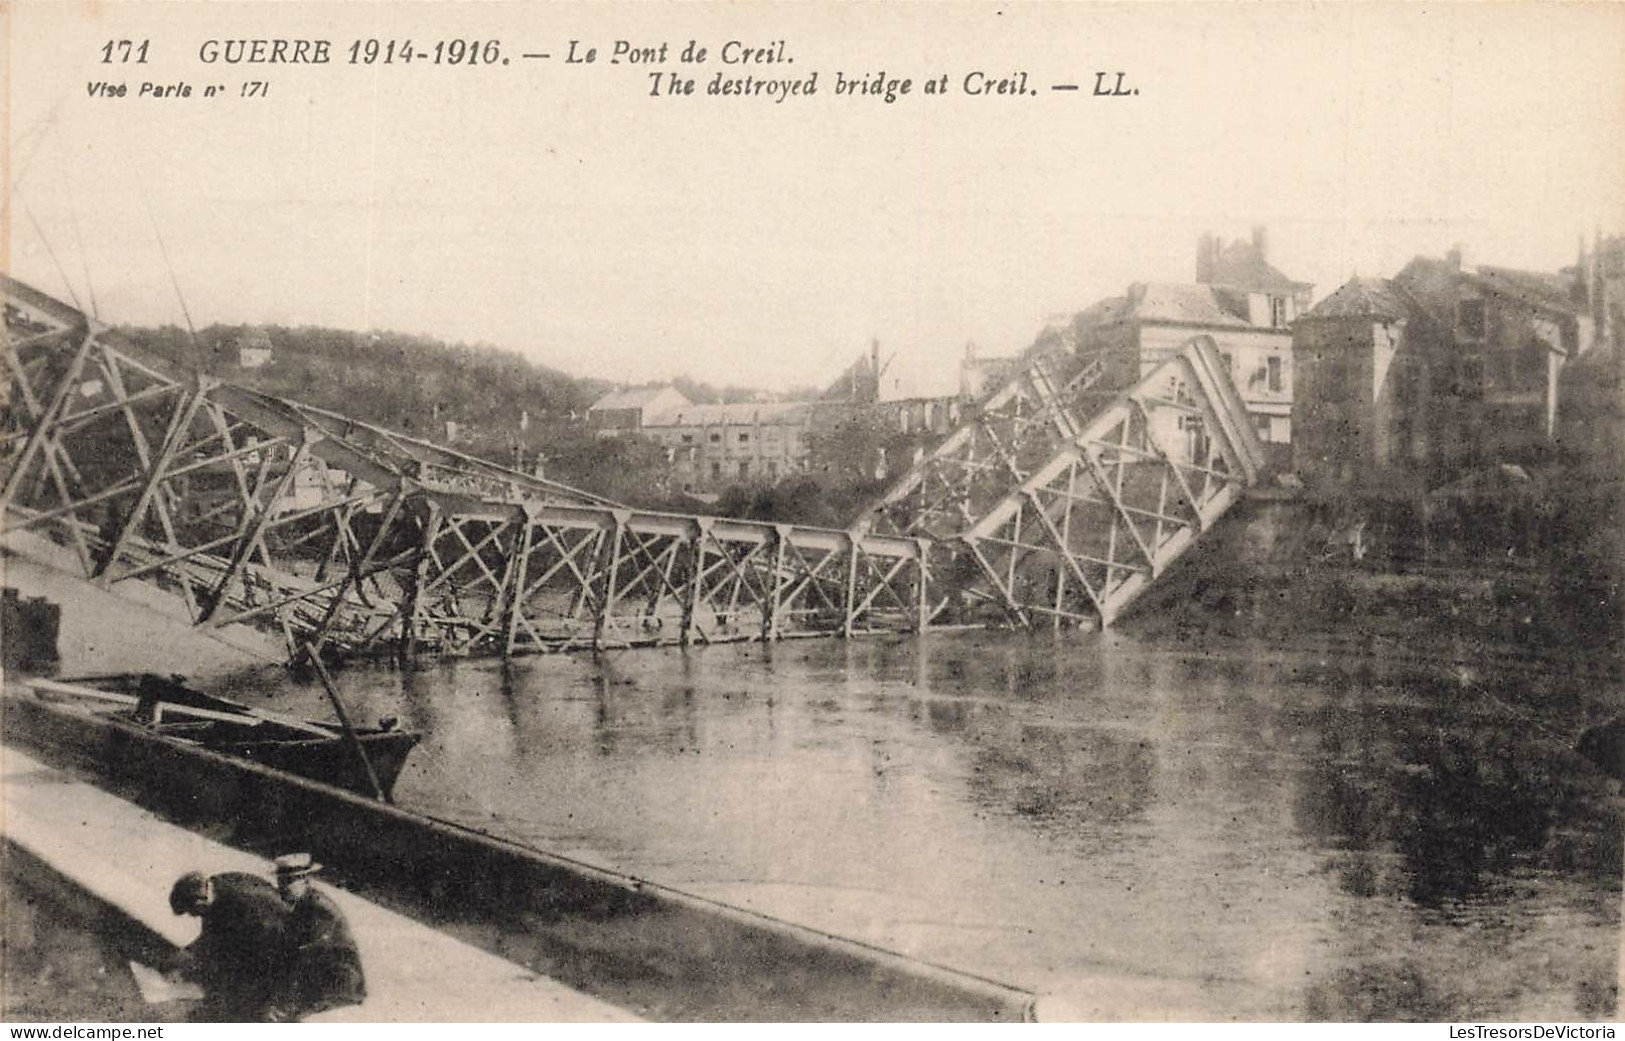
[
  {"x": 1246, "y": 305},
  {"x": 1442, "y": 367},
  {"x": 1592, "y": 386},
  {"x": 1242, "y": 272},
  {"x": 1503, "y": 336},
  {"x": 1602, "y": 271}
]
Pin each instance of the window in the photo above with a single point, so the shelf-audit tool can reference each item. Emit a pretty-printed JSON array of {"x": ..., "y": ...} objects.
[
  {"x": 1405, "y": 380},
  {"x": 744, "y": 438},
  {"x": 744, "y": 468},
  {"x": 688, "y": 439},
  {"x": 1472, "y": 375},
  {"x": 1278, "y": 311},
  {"x": 1503, "y": 369},
  {"x": 716, "y": 470},
  {"x": 1262, "y": 425},
  {"x": 1335, "y": 380},
  {"x": 772, "y": 467},
  {"x": 1275, "y": 372},
  {"x": 1470, "y": 319},
  {"x": 1229, "y": 363},
  {"x": 716, "y": 439}
]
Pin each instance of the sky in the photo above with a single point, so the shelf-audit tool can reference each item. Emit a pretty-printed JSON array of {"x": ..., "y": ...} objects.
[{"x": 561, "y": 211}]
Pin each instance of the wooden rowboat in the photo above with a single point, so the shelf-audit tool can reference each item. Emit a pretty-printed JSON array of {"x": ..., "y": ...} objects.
[{"x": 144, "y": 706}]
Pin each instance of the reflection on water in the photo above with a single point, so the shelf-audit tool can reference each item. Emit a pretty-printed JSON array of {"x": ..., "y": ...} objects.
[{"x": 1272, "y": 835}]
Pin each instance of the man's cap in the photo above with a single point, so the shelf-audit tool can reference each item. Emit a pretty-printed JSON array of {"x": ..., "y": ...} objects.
[
  {"x": 189, "y": 891},
  {"x": 295, "y": 865}
]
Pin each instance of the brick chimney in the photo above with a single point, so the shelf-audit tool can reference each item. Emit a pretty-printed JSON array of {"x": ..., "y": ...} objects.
[
  {"x": 1261, "y": 241},
  {"x": 1580, "y": 291},
  {"x": 1597, "y": 290},
  {"x": 1207, "y": 256}
]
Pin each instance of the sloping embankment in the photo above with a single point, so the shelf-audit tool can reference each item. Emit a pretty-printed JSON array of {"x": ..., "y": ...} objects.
[{"x": 642, "y": 946}]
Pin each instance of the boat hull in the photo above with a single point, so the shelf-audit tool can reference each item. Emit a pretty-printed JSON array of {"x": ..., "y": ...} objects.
[
  {"x": 331, "y": 762},
  {"x": 36, "y": 722}
]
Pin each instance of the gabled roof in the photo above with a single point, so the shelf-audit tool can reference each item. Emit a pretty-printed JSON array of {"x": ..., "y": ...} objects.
[
  {"x": 635, "y": 398},
  {"x": 1185, "y": 303},
  {"x": 1103, "y": 312},
  {"x": 1435, "y": 285},
  {"x": 1239, "y": 266},
  {"x": 1432, "y": 283},
  {"x": 1535, "y": 288},
  {"x": 1377, "y": 299}
]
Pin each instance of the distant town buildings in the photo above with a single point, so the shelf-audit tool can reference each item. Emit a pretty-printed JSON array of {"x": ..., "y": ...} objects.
[
  {"x": 979, "y": 376},
  {"x": 713, "y": 446},
  {"x": 710, "y": 446},
  {"x": 253, "y": 349},
  {"x": 1443, "y": 365},
  {"x": 1603, "y": 271},
  {"x": 903, "y": 401}
]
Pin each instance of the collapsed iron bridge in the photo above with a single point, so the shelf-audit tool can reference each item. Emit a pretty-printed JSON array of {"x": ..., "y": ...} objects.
[{"x": 1061, "y": 497}]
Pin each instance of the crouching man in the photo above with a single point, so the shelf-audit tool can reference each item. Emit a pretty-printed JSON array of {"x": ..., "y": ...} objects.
[
  {"x": 238, "y": 956},
  {"x": 322, "y": 969}
]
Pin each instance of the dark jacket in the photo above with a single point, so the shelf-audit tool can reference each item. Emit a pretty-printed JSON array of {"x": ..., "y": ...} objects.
[
  {"x": 239, "y": 953},
  {"x": 324, "y": 967}
]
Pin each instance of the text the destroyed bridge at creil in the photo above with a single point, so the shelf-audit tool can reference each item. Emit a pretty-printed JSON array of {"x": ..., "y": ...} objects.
[{"x": 1061, "y": 496}]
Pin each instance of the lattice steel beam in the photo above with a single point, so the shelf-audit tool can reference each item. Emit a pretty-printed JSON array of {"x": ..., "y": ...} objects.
[{"x": 1122, "y": 452}]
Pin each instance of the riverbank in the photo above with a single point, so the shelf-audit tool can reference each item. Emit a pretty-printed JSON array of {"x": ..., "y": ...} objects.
[
  {"x": 138, "y": 628},
  {"x": 1278, "y": 576},
  {"x": 414, "y": 973}
]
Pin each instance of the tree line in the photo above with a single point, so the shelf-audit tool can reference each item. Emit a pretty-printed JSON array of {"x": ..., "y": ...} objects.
[{"x": 514, "y": 412}]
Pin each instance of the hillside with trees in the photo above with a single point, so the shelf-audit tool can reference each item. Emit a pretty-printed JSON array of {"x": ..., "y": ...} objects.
[{"x": 501, "y": 406}]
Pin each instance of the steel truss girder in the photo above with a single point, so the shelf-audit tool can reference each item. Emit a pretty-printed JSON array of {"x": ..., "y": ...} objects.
[
  {"x": 550, "y": 577},
  {"x": 1119, "y": 502},
  {"x": 1014, "y": 425}
]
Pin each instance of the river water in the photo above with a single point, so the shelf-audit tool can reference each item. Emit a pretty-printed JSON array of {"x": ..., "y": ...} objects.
[
  {"x": 1136, "y": 827},
  {"x": 1229, "y": 807}
]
